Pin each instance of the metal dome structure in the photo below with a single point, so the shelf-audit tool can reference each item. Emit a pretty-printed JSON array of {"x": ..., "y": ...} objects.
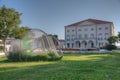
[{"x": 36, "y": 44}]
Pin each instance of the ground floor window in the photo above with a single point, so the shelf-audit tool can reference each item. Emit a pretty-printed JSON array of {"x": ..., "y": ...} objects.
[
  {"x": 72, "y": 45},
  {"x": 68, "y": 45},
  {"x": 78, "y": 44},
  {"x": 92, "y": 45}
]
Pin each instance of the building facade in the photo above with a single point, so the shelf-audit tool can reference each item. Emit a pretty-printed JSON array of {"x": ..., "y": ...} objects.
[
  {"x": 62, "y": 43},
  {"x": 88, "y": 34}
]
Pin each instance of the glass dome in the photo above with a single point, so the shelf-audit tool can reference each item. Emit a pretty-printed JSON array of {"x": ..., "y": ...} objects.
[{"x": 35, "y": 45}]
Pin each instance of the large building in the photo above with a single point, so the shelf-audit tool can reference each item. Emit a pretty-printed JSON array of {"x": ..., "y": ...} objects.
[{"x": 88, "y": 34}]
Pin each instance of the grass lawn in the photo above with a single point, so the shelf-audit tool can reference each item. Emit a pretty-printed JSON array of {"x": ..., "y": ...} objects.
[{"x": 71, "y": 67}]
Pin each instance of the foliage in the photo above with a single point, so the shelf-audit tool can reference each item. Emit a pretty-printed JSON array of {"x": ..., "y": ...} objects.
[
  {"x": 71, "y": 67},
  {"x": 111, "y": 47},
  {"x": 29, "y": 56},
  {"x": 112, "y": 39},
  {"x": 1, "y": 48},
  {"x": 118, "y": 34},
  {"x": 9, "y": 21},
  {"x": 19, "y": 32},
  {"x": 55, "y": 36}
]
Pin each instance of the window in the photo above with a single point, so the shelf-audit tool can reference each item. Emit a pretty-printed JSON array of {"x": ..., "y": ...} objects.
[
  {"x": 86, "y": 29},
  {"x": 68, "y": 30},
  {"x": 79, "y": 29},
  {"x": 72, "y": 45},
  {"x": 68, "y": 45},
  {"x": 100, "y": 28},
  {"x": 105, "y": 38},
  {"x": 106, "y": 33},
  {"x": 73, "y": 37},
  {"x": 80, "y": 36},
  {"x": 98, "y": 38},
  {"x": 100, "y": 34},
  {"x": 92, "y": 44},
  {"x": 92, "y": 35},
  {"x": 86, "y": 36},
  {"x": 68, "y": 37},
  {"x": 92, "y": 29},
  {"x": 72, "y": 30},
  {"x": 106, "y": 28}
]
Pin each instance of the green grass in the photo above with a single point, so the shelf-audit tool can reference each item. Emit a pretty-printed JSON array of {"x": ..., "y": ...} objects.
[{"x": 71, "y": 67}]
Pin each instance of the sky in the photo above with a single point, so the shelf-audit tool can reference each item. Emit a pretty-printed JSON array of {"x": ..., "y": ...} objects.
[{"x": 52, "y": 15}]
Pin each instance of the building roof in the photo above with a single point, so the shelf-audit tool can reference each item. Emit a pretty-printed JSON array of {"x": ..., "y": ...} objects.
[
  {"x": 61, "y": 40},
  {"x": 89, "y": 20}
]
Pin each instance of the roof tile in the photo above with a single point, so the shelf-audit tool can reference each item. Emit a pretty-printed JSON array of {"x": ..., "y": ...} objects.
[{"x": 89, "y": 20}]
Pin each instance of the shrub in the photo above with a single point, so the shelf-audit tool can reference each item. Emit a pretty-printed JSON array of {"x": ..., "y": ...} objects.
[
  {"x": 1, "y": 48},
  {"x": 110, "y": 47},
  {"x": 29, "y": 56}
]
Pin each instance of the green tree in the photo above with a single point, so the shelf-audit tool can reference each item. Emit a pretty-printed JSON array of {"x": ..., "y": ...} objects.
[
  {"x": 9, "y": 21},
  {"x": 112, "y": 39},
  {"x": 19, "y": 32},
  {"x": 55, "y": 36},
  {"x": 119, "y": 34}
]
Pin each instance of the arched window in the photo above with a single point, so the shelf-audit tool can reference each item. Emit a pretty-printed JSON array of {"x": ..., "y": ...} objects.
[{"x": 92, "y": 44}]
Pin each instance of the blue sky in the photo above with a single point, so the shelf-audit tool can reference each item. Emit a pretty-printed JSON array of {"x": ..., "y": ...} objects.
[{"x": 52, "y": 15}]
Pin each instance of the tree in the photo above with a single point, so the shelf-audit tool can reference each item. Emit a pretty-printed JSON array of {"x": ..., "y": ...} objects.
[
  {"x": 55, "y": 36},
  {"x": 118, "y": 34},
  {"x": 19, "y": 32},
  {"x": 9, "y": 21},
  {"x": 112, "y": 39}
]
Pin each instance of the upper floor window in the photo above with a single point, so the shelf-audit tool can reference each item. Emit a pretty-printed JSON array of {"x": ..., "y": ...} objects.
[
  {"x": 86, "y": 29},
  {"x": 73, "y": 37},
  {"x": 92, "y": 29},
  {"x": 68, "y": 30},
  {"x": 79, "y": 29},
  {"x": 105, "y": 38},
  {"x": 106, "y": 33},
  {"x": 68, "y": 37},
  {"x": 92, "y": 35},
  {"x": 86, "y": 36},
  {"x": 80, "y": 36},
  {"x": 106, "y": 28},
  {"x": 100, "y": 28},
  {"x": 98, "y": 38},
  {"x": 100, "y": 34}
]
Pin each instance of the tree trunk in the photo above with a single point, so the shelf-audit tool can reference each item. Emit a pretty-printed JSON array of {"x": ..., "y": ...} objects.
[{"x": 4, "y": 44}]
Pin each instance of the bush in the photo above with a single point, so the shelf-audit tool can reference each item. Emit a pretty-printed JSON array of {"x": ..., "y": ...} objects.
[
  {"x": 29, "y": 56},
  {"x": 1, "y": 48},
  {"x": 111, "y": 47}
]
